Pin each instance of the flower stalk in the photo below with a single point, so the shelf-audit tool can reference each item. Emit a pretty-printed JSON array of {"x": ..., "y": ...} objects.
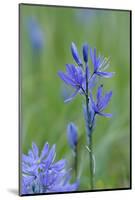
[
  {"x": 82, "y": 81},
  {"x": 89, "y": 134},
  {"x": 76, "y": 163},
  {"x": 91, "y": 163}
]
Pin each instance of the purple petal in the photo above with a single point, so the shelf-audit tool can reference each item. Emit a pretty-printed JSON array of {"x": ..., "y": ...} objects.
[
  {"x": 93, "y": 103},
  {"x": 99, "y": 93},
  {"x": 44, "y": 151},
  {"x": 67, "y": 177},
  {"x": 105, "y": 114},
  {"x": 31, "y": 170},
  {"x": 66, "y": 79},
  {"x": 35, "y": 150},
  {"x": 71, "y": 71},
  {"x": 26, "y": 159},
  {"x": 44, "y": 178},
  {"x": 59, "y": 178},
  {"x": 50, "y": 158},
  {"x": 79, "y": 75},
  {"x": 24, "y": 187},
  {"x": 70, "y": 68},
  {"x": 95, "y": 61},
  {"x": 85, "y": 52},
  {"x": 92, "y": 56},
  {"x": 71, "y": 187},
  {"x": 105, "y": 74},
  {"x": 99, "y": 61},
  {"x": 73, "y": 68},
  {"x": 75, "y": 75},
  {"x": 75, "y": 54},
  {"x": 92, "y": 81},
  {"x": 59, "y": 165},
  {"x": 30, "y": 154},
  {"x": 105, "y": 100},
  {"x": 72, "y": 96}
]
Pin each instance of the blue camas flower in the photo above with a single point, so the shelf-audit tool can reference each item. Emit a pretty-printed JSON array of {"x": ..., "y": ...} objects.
[
  {"x": 100, "y": 64},
  {"x": 35, "y": 34},
  {"x": 72, "y": 135},
  {"x": 101, "y": 102},
  {"x": 74, "y": 77},
  {"x": 40, "y": 174}
]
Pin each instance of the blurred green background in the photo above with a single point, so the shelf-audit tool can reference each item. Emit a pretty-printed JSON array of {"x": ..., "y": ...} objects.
[{"x": 45, "y": 115}]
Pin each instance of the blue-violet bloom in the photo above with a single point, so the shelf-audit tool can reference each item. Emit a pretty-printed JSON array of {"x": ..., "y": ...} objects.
[
  {"x": 40, "y": 174},
  {"x": 101, "y": 102},
  {"x": 100, "y": 64},
  {"x": 74, "y": 77}
]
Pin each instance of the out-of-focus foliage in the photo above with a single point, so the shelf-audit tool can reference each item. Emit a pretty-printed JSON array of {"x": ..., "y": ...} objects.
[{"x": 44, "y": 114}]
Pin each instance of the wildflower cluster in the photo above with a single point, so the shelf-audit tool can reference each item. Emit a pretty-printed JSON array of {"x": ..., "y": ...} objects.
[
  {"x": 79, "y": 76},
  {"x": 82, "y": 79},
  {"x": 40, "y": 174}
]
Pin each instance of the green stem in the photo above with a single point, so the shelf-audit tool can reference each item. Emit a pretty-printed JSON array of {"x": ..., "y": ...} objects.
[
  {"x": 90, "y": 137},
  {"x": 75, "y": 162},
  {"x": 91, "y": 163}
]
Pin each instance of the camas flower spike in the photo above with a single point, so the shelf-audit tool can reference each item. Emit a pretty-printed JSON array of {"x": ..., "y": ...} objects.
[{"x": 82, "y": 80}]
